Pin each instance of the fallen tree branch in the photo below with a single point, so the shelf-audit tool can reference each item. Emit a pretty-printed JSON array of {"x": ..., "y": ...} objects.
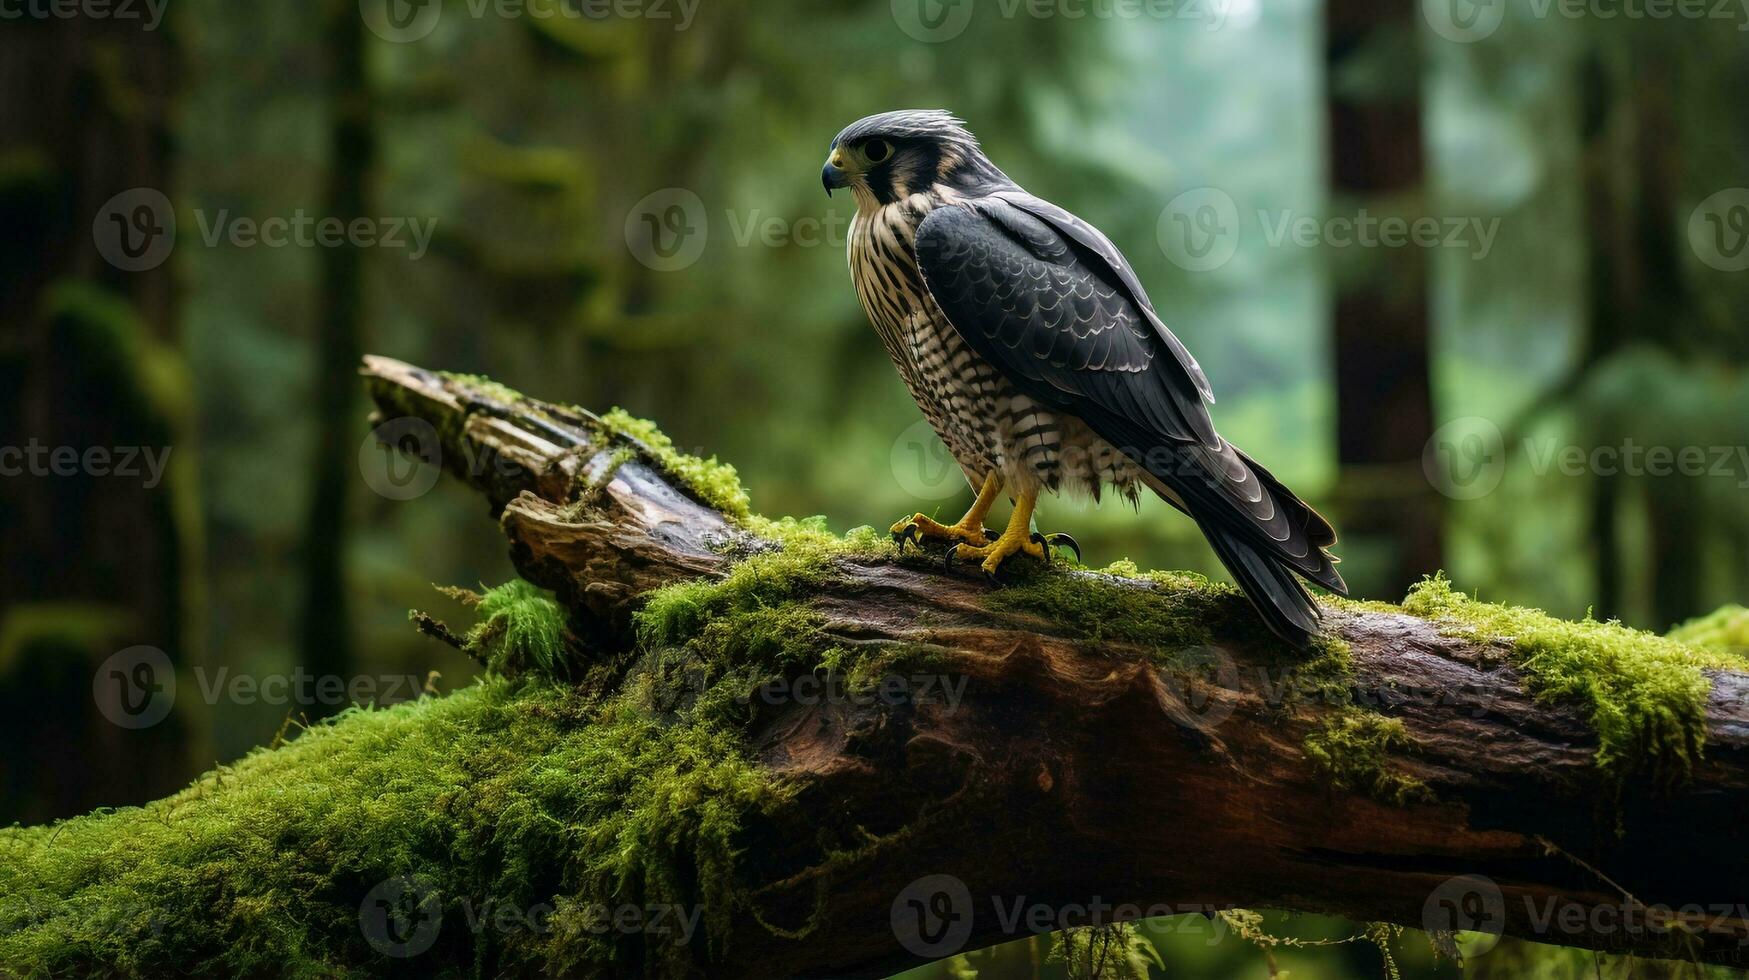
[
  {"x": 1093, "y": 767},
  {"x": 918, "y": 763}
]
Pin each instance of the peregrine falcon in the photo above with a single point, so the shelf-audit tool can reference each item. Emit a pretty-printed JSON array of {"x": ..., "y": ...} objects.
[{"x": 1036, "y": 356}]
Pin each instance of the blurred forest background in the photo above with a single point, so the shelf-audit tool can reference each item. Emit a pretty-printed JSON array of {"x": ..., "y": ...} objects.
[{"x": 626, "y": 210}]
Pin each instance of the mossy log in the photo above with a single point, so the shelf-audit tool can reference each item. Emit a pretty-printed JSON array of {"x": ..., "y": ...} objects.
[
  {"x": 1068, "y": 740},
  {"x": 1074, "y": 769}
]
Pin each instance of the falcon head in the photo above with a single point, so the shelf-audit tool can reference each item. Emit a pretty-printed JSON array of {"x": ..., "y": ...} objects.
[{"x": 890, "y": 156}]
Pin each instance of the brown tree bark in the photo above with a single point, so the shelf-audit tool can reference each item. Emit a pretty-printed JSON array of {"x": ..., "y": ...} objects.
[
  {"x": 325, "y": 621},
  {"x": 1074, "y": 772}
]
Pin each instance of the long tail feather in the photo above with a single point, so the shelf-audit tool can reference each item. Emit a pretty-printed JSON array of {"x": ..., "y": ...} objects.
[{"x": 1272, "y": 588}]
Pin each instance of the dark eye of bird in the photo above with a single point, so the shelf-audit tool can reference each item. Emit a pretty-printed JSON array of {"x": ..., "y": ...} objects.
[{"x": 877, "y": 150}]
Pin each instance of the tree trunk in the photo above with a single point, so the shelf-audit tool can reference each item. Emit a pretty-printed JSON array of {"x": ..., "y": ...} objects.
[
  {"x": 99, "y": 555},
  {"x": 326, "y": 621},
  {"x": 1638, "y": 301},
  {"x": 1382, "y": 357}
]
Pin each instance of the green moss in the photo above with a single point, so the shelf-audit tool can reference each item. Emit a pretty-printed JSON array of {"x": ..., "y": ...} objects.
[
  {"x": 1645, "y": 694},
  {"x": 521, "y": 793},
  {"x": 527, "y": 797},
  {"x": 1108, "y": 952},
  {"x": 681, "y": 612},
  {"x": 482, "y": 385},
  {"x": 72, "y": 625},
  {"x": 146, "y": 380},
  {"x": 715, "y": 483},
  {"x": 1352, "y": 748},
  {"x": 520, "y": 630},
  {"x": 1725, "y": 631},
  {"x": 1162, "y": 613},
  {"x": 1177, "y": 617}
]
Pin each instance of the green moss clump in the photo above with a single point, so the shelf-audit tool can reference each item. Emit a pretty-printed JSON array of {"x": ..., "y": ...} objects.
[
  {"x": 520, "y": 630},
  {"x": 497, "y": 391},
  {"x": 1352, "y": 748},
  {"x": 715, "y": 483},
  {"x": 1725, "y": 631},
  {"x": 1109, "y": 952},
  {"x": 768, "y": 580},
  {"x": 1163, "y": 613},
  {"x": 501, "y": 796},
  {"x": 1175, "y": 616},
  {"x": 1645, "y": 694}
]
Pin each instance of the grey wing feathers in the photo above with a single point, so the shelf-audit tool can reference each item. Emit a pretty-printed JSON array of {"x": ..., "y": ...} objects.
[
  {"x": 1050, "y": 304},
  {"x": 1094, "y": 241}
]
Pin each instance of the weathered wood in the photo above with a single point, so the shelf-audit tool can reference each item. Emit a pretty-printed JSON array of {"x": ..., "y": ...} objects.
[{"x": 1069, "y": 773}]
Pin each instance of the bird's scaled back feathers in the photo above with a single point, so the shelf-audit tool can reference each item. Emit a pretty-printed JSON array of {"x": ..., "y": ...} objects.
[{"x": 1049, "y": 301}]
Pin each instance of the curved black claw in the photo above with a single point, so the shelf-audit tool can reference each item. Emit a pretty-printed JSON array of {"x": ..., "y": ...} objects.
[
  {"x": 1044, "y": 545},
  {"x": 908, "y": 534},
  {"x": 1058, "y": 540},
  {"x": 947, "y": 556}
]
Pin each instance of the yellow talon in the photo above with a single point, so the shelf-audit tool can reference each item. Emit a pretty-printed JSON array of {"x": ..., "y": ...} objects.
[
  {"x": 920, "y": 526},
  {"x": 1016, "y": 539},
  {"x": 969, "y": 529}
]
